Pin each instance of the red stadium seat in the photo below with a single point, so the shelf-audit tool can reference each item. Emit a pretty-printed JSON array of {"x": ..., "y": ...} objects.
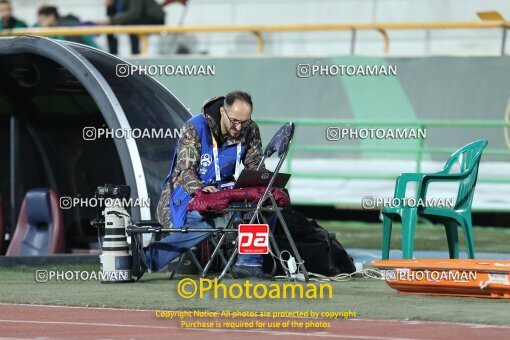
[{"x": 40, "y": 228}]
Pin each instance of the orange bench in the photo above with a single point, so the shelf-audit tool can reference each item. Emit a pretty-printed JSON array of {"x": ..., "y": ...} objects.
[{"x": 454, "y": 277}]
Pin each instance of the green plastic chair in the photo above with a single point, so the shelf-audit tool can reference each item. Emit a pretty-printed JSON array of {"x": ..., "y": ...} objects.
[{"x": 468, "y": 157}]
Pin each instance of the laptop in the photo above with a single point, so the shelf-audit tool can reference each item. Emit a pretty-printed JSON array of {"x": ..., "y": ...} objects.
[{"x": 256, "y": 178}]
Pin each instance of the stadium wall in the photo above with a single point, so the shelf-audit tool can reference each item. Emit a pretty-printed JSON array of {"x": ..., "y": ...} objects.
[
  {"x": 434, "y": 88},
  {"x": 437, "y": 89}
]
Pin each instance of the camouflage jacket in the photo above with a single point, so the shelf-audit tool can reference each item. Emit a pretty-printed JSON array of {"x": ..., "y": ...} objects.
[{"x": 185, "y": 170}]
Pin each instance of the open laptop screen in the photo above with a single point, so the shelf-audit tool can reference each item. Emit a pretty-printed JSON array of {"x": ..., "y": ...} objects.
[{"x": 255, "y": 178}]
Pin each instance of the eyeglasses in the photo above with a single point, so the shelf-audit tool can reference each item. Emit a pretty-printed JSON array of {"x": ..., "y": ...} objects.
[{"x": 235, "y": 122}]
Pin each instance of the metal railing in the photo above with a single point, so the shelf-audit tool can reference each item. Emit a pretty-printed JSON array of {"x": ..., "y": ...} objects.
[
  {"x": 257, "y": 30},
  {"x": 419, "y": 149}
]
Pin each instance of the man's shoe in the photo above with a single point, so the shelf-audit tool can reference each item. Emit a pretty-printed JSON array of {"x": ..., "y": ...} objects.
[{"x": 250, "y": 272}]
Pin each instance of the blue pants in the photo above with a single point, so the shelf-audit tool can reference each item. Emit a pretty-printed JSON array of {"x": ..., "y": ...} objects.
[{"x": 161, "y": 253}]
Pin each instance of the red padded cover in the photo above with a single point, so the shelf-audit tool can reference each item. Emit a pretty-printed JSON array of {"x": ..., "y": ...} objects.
[{"x": 217, "y": 201}]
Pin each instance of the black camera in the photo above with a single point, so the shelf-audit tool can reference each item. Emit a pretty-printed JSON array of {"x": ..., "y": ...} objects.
[
  {"x": 110, "y": 192},
  {"x": 113, "y": 191}
]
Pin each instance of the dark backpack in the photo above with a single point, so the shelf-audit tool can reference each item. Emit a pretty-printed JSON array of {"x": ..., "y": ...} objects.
[{"x": 320, "y": 250}]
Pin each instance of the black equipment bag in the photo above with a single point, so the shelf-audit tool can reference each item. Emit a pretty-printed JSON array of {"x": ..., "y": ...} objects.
[{"x": 320, "y": 250}]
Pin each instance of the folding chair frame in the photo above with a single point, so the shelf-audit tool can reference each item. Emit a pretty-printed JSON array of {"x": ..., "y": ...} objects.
[
  {"x": 153, "y": 227},
  {"x": 217, "y": 245},
  {"x": 274, "y": 145}
]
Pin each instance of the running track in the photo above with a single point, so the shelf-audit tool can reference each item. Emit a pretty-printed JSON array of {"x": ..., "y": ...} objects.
[{"x": 36, "y": 321}]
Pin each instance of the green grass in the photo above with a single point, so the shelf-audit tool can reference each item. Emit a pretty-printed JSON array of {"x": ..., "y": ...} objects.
[
  {"x": 369, "y": 298},
  {"x": 427, "y": 237}
]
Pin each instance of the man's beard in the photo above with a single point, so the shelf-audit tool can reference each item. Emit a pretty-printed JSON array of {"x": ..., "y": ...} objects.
[{"x": 234, "y": 133}]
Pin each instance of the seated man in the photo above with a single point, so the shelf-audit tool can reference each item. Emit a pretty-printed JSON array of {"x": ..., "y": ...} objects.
[
  {"x": 48, "y": 16},
  {"x": 7, "y": 21},
  {"x": 224, "y": 132}
]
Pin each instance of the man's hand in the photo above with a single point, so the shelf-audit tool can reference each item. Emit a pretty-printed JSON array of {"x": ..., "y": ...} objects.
[
  {"x": 105, "y": 22},
  {"x": 209, "y": 189}
]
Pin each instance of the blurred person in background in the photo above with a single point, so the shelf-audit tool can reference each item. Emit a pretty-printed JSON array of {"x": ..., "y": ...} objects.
[
  {"x": 134, "y": 12},
  {"x": 48, "y": 16},
  {"x": 7, "y": 21}
]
